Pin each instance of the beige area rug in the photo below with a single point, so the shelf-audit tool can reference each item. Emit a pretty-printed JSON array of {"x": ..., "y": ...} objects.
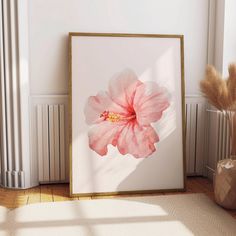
[{"x": 189, "y": 214}]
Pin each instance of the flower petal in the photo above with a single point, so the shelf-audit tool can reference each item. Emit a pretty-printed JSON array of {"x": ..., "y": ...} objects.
[
  {"x": 96, "y": 105},
  {"x": 103, "y": 134},
  {"x": 137, "y": 140},
  {"x": 122, "y": 88},
  {"x": 149, "y": 103}
]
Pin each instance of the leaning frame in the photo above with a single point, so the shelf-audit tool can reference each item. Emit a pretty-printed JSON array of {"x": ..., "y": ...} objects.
[{"x": 138, "y": 192}]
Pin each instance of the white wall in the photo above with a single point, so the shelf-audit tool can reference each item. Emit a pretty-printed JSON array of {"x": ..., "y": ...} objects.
[
  {"x": 225, "y": 42},
  {"x": 51, "y": 20},
  {"x": 229, "y": 35},
  {"x": 219, "y": 33}
]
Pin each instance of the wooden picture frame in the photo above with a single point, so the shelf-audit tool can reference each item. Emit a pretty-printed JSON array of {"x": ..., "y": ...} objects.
[{"x": 126, "y": 112}]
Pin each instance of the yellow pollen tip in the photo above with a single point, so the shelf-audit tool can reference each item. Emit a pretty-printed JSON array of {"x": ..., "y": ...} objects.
[{"x": 112, "y": 117}]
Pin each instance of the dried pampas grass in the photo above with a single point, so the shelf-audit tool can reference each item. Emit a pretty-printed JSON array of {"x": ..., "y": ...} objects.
[{"x": 220, "y": 92}]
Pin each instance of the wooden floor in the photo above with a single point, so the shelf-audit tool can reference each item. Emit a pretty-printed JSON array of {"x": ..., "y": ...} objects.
[{"x": 60, "y": 192}]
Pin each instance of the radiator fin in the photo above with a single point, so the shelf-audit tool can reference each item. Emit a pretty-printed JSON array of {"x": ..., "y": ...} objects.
[
  {"x": 195, "y": 119},
  {"x": 219, "y": 140}
]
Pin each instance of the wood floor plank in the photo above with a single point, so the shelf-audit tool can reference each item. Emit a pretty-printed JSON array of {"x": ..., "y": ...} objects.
[
  {"x": 21, "y": 198},
  {"x": 60, "y": 193},
  {"x": 33, "y": 195},
  {"x": 46, "y": 193},
  {"x": 8, "y": 197}
]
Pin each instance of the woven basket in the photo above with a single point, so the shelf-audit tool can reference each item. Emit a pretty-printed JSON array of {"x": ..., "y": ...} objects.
[{"x": 225, "y": 184}]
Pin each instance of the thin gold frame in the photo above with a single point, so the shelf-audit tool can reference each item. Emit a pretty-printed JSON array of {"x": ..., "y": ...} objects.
[{"x": 137, "y": 192}]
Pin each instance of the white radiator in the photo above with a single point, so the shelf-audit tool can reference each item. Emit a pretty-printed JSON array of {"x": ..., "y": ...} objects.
[
  {"x": 13, "y": 171},
  {"x": 195, "y": 118},
  {"x": 223, "y": 150},
  {"x": 219, "y": 140},
  {"x": 50, "y": 137},
  {"x": 51, "y": 143}
]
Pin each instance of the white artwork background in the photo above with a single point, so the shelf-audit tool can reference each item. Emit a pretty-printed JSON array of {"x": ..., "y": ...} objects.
[{"x": 94, "y": 61}]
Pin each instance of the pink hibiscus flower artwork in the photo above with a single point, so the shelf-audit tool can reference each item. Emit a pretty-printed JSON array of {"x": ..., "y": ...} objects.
[{"x": 123, "y": 115}]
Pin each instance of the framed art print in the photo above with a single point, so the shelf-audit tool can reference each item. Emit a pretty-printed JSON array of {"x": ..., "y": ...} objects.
[{"x": 126, "y": 113}]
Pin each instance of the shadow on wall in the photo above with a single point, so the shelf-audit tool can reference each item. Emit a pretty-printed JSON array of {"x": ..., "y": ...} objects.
[{"x": 145, "y": 173}]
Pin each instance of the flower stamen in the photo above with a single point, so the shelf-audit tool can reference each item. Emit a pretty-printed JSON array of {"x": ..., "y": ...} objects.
[
  {"x": 114, "y": 117},
  {"x": 110, "y": 116}
]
